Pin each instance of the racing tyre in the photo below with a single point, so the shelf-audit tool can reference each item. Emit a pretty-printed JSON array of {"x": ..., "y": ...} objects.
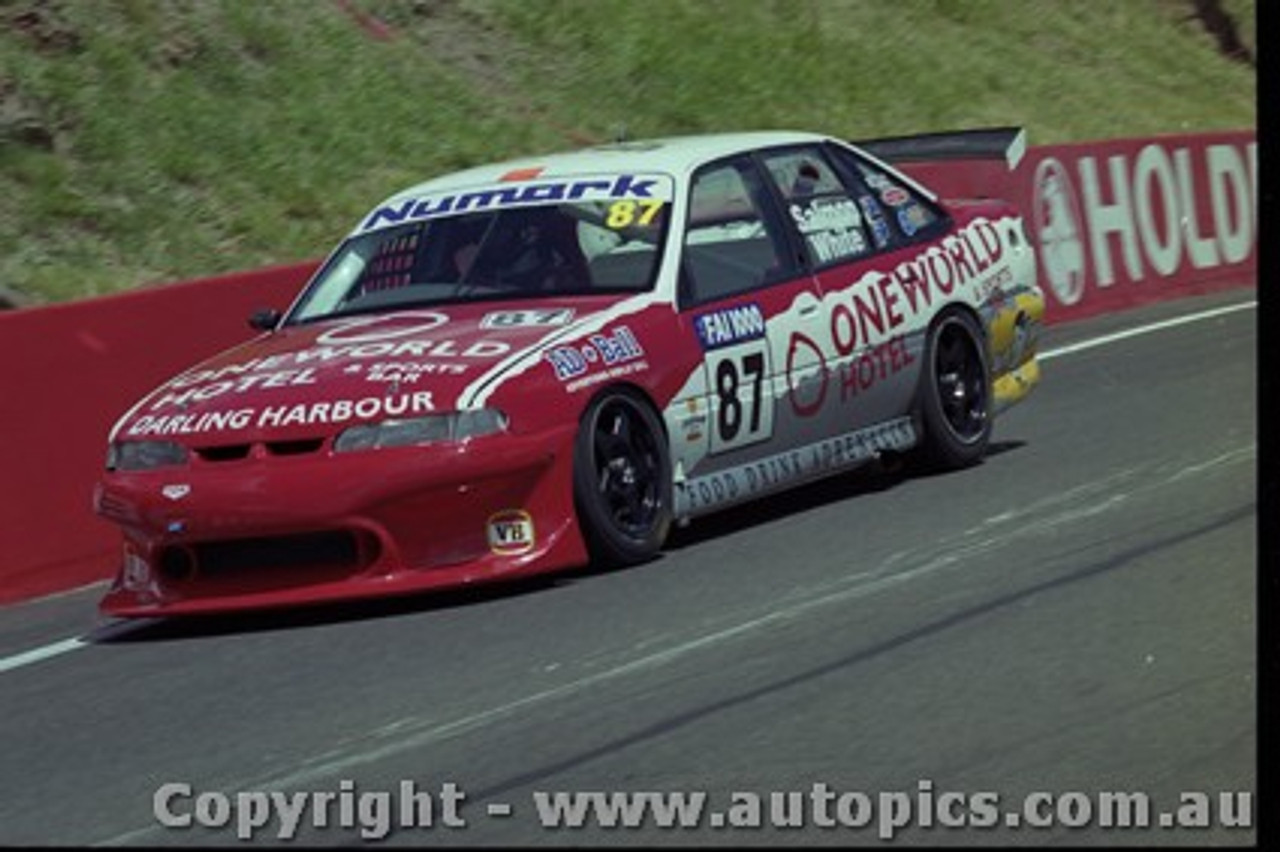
[
  {"x": 622, "y": 480},
  {"x": 954, "y": 395}
]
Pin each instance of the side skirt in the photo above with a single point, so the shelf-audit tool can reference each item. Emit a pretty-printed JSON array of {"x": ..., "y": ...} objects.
[{"x": 701, "y": 495}]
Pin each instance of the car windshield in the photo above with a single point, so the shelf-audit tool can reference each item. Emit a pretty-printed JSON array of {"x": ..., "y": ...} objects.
[{"x": 513, "y": 252}]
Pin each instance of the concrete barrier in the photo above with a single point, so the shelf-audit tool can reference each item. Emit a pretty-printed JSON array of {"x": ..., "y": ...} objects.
[{"x": 1117, "y": 224}]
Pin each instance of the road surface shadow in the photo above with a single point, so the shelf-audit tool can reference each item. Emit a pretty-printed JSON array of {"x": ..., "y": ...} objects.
[{"x": 872, "y": 478}]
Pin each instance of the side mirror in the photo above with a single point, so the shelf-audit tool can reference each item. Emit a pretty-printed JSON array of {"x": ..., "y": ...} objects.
[{"x": 265, "y": 319}]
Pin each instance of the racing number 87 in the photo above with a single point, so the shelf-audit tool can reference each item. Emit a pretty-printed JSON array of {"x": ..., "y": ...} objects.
[
  {"x": 625, "y": 213},
  {"x": 743, "y": 414}
]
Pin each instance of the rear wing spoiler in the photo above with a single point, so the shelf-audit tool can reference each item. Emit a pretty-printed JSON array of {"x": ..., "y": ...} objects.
[{"x": 990, "y": 143}]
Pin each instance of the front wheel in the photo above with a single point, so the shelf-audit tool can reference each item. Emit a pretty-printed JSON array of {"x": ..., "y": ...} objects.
[
  {"x": 954, "y": 396},
  {"x": 622, "y": 480}
]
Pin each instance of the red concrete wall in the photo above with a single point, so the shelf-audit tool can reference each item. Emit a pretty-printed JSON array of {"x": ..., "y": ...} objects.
[{"x": 1117, "y": 224}]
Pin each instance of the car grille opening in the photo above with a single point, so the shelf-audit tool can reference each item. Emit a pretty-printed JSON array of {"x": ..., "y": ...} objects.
[
  {"x": 294, "y": 448},
  {"x": 177, "y": 564},
  {"x": 313, "y": 549},
  {"x": 268, "y": 562},
  {"x": 226, "y": 453},
  {"x": 236, "y": 452}
]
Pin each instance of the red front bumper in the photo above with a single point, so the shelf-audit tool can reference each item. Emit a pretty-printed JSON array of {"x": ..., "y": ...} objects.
[{"x": 284, "y": 531}]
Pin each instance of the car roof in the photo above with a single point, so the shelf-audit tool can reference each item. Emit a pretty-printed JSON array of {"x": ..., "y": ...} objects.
[{"x": 674, "y": 155}]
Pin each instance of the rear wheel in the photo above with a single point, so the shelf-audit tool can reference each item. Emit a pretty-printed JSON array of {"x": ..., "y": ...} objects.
[
  {"x": 622, "y": 479},
  {"x": 954, "y": 396}
]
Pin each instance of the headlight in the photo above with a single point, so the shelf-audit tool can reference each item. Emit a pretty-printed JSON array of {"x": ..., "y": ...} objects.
[
  {"x": 144, "y": 455},
  {"x": 454, "y": 426}
]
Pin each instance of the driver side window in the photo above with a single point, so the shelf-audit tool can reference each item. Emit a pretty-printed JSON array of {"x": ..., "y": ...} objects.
[{"x": 730, "y": 247}]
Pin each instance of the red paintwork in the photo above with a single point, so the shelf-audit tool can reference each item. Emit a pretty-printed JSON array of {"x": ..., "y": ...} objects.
[
  {"x": 423, "y": 510},
  {"x": 422, "y": 519}
]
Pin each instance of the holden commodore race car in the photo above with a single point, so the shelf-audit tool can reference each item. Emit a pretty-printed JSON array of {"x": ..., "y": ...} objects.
[{"x": 537, "y": 364}]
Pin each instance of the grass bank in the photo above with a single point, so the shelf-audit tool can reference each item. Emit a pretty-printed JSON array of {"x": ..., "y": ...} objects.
[{"x": 153, "y": 140}]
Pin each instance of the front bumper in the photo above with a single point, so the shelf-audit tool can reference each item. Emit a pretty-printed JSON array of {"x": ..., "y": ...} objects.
[{"x": 267, "y": 532}]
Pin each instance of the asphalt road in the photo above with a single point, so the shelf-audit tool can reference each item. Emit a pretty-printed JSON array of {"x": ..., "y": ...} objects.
[{"x": 1078, "y": 614}]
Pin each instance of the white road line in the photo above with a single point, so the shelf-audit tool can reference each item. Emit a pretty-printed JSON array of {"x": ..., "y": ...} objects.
[
  {"x": 66, "y": 646},
  {"x": 1143, "y": 329},
  {"x": 36, "y": 655}
]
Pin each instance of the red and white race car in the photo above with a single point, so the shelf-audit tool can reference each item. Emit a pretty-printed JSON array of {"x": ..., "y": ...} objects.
[{"x": 524, "y": 366}]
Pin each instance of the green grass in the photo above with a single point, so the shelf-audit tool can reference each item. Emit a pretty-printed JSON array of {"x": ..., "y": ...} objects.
[{"x": 154, "y": 140}]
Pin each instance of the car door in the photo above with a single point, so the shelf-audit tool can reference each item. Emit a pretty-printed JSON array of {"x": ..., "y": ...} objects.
[
  {"x": 856, "y": 224},
  {"x": 743, "y": 288},
  {"x": 907, "y": 227}
]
